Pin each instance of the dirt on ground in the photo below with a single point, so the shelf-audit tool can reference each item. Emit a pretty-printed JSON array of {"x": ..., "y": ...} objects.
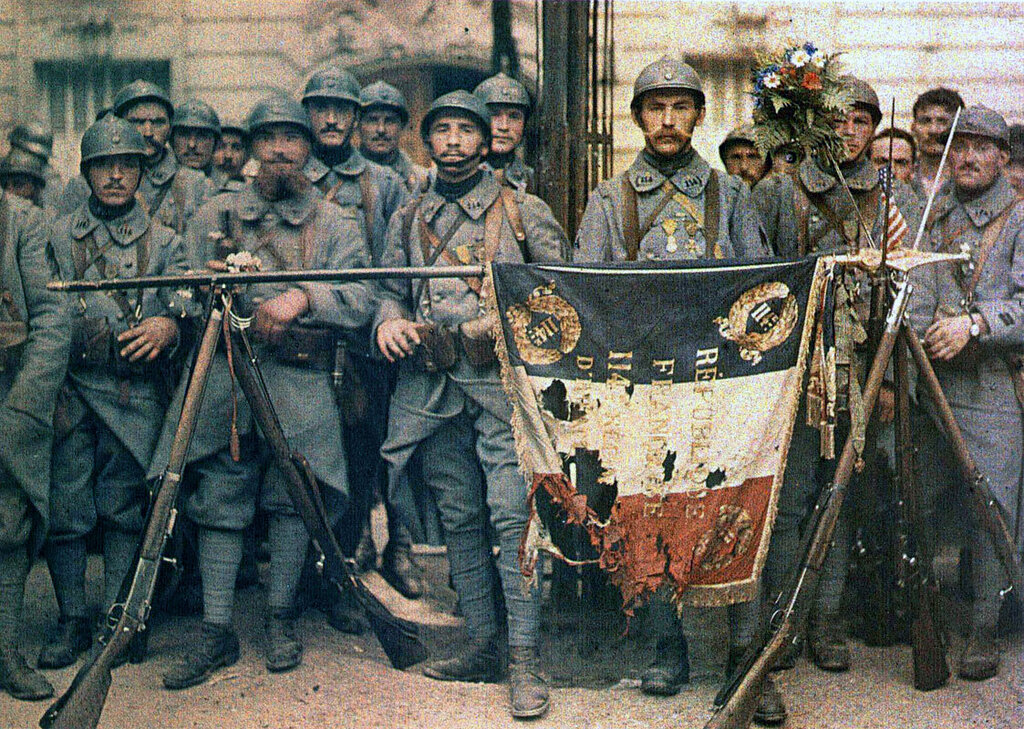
[{"x": 593, "y": 660}]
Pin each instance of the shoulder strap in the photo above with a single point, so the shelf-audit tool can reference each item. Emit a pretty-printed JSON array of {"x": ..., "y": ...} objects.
[
  {"x": 630, "y": 219},
  {"x": 307, "y": 236},
  {"x": 988, "y": 240},
  {"x": 712, "y": 214},
  {"x": 178, "y": 188},
  {"x": 514, "y": 215},
  {"x": 368, "y": 195}
]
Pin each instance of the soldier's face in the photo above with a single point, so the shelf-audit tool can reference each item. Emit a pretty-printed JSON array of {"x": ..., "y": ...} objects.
[
  {"x": 902, "y": 157},
  {"x": 975, "y": 162},
  {"x": 280, "y": 148},
  {"x": 332, "y": 121},
  {"x": 153, "y": 123},
  {"x": 1015, "y": 173},
  {"x": 113, "y": 180},
  {"x": 743, "y": 159},
  {"x": 929, "y": 127},
  {"x": 507, "y": 125},
  {"x": 856, "y": 129},
  {"x": 667, "y": 118},
  {"x": 457, "y": 144},
  {"x": 233, "y": 153},
  {"x": 379, "y": 130},
  {"x": 193, "y": 147},
  {"x": 25, "y": 187}
]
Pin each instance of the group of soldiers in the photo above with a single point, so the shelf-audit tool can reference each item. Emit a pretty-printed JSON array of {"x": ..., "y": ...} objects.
[{"x": 88, "y": 380}]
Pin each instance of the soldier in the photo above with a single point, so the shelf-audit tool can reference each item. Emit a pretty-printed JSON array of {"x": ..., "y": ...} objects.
[
  {"x": 384, "y": 117},
  {"x": 933, "y": 116},
  {"x": 195, "y": 132},
  {"x": 691, "y": 212},
  {"x": 37, "y": 140},
  {"x": 169, "y": 192},
  {"x": 23, "y": 174},
  {"x": 509, "y": 104},
  {"x": 284, "y": 221},
  {"x": 741, "y": 157},
  {"x": 904, "y": 153},
  {"x": 230, "y": 157},
  {"x": 371, "y": 193},
  {"x": 111, "y": 404},
  {"x": 808, "y": 212},
  {"x": 34, "y": 337},
  {"x": 972, "y": 323},
  {"x": 1015, "y": 167},
  {"x": 449, "y": 403}
]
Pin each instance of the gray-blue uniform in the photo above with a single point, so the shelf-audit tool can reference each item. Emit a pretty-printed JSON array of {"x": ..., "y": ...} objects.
[
  {"x": 795, "y": 225},
  {"x": 110, "y": 412},
  {"x": 460, "y": 419},
  {"x": 170, "y": 192},
  {"x": 977, "y": 382},
  {"x": 412, "y": 175},
  {"x": 516, "y": 174},
  {"x": 679, "y": 228}
]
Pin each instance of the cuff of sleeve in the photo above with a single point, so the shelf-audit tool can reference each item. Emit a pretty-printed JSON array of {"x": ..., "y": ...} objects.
[
  {"x": 320, "y": 297},
  {"x": 999, "y": 330}
]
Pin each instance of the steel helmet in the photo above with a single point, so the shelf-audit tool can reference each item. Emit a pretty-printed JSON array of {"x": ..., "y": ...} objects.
[
  {"x": 111, "y": 136},
  {"x": 332, "y": 82},
  {"x": 196, "y": 114},
  {"x": 381, "y": 93},
  {"x": 667, "y": 73},
  {"x": 140, "y": 90},
  {"x": 460, "y": 100}
]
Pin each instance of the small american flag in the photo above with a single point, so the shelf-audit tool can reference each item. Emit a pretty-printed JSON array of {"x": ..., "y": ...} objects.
[{"x": 898, "y": 228}]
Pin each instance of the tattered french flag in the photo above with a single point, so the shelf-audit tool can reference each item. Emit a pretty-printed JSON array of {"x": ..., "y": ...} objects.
[{"x": 652, "y": 410}]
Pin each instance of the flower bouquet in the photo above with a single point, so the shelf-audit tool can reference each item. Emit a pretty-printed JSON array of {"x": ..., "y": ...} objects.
[{"x": 798, "y": 97}]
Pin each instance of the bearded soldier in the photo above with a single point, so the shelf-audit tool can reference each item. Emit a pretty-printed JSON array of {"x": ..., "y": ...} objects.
[
  {"x": 972, "y": 322},
  {"x": 690, "y": 211},
  {"x": 509, "y": 104},
  {"x": 169, "y": 193},
  {"x": 34, "y": 337},
  {"x": 383, "y": 118},
  {"x": 37, "y": 140},
  {"x": 112, "y": 403},
  {"x": 283, "y": 220},
  {"x": 370, "y": 194},
  {"x": 448, "y": 402},
  {"x": 230, "y": 156},
  {"x": 814, "y": 210}
]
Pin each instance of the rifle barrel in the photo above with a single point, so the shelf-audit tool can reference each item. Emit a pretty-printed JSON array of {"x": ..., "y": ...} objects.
[{"x": 218, "y": 278}]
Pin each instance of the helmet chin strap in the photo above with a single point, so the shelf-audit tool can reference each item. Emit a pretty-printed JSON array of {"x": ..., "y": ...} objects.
[{"x": 455, "y": 172}]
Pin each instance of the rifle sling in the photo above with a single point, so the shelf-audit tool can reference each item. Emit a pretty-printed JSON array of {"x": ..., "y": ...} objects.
[
  {"x": 867, "y": 207},
  {"x": 367, "y": 200},
  {"x": 82, "y": 250}
]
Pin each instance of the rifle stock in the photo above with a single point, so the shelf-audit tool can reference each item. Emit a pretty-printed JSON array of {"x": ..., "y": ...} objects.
[
  {"x": 399, "y": 638},
  {"x": 81, "y": 705},
  {"x": 740, "y": 698}
]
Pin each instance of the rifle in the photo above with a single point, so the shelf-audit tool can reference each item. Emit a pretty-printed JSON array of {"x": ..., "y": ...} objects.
[
  {"x": 81, "y": 705},
  {"x": 739, "y": 698},
  {"x": 915, "y": 569}
]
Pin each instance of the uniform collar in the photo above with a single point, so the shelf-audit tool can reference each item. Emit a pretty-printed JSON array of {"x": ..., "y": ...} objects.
[
  {"x": 861, "y": 176},
  {"x": 474, "y": 203},
  {"x": 162, "y": 172},
  {"x": 124, "y": 230},
  {"x": 294, "y": 210},
  {"x": 690, "y": 180},
  {"x": 316, "y": 169},
  {"x": 990, "y": 204}
]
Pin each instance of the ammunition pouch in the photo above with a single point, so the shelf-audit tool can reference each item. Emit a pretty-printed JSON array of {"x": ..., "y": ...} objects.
[
  {"x": 479, "y": 350},
  {"x": 437, "y": 352},
  {"x": 13, "y": 335},
  {"x": 304, "y": 346},
  {"x": 91, "y": 343}
]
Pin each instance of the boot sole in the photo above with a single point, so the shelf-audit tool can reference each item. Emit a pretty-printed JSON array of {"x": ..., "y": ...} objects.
[
  {"x": 531, "y": 713},
  {"x": 770, "y": 719},
  {"x": 22, "y": 696},
  {"x": 228, "y": 660},
  {"x": 285, "y": 665},
  {"x": 660, "y": 690},
  {"x": 474, "y": 678}
]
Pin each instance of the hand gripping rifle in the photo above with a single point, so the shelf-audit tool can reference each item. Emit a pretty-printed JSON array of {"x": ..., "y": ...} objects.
[{"x": 739, "y": 699}]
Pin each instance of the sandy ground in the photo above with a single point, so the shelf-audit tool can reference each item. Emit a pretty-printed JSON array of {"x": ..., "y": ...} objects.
[{"x": 345, "y": 681}]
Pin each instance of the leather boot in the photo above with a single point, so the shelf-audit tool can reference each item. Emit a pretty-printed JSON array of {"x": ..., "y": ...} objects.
[
  {"x": 478, "y": 664},
  {"x": 20, "y": 681},
  {"x": 365, "y": 554},
  {"x": 284, "y": 651},
  {"x": 770, "y": 709},
  {"x": 981, "y": 657},
  {"x": 398, "y": 568},
  {"x": 527, "y": 687},
  {"x": 72, "y": 638},
  {"x": 217, "y": 647},
  {"x": 827, "y": 641},
  {"x": 344, "y": 614},
  {"x": 670, "y": 670}
]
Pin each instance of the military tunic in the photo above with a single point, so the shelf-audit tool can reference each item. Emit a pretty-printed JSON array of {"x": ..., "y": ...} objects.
[
  {"x": 460, "y": 419},
  {"x": 111, "y": 412},
  {"x": 177, "y": 191},
  {"x": 677, "y": 231},
  {"x": 977, "y": 382},
  {"x": 302, "y": 396},
  {"x": 412, "y": 175},
  {"x": 516, "y": 174},
  {"x": 30, "y": 372}
]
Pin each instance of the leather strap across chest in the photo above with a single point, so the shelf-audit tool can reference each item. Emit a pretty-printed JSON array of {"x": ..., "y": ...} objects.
[
  {"x": 367, "y": 200},
  {"x": 634, "y": 233},
  {"x": 990, "y": 234},
  {"x": 867, "y": 207},
  {"x": 87, "y": 253},
  {"x": 266, "y": 240}
]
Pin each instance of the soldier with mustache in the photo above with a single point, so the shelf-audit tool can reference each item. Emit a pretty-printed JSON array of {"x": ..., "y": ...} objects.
[
  {"x": 383, "y": 117},
  {"x": 933, "y": 114}
]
